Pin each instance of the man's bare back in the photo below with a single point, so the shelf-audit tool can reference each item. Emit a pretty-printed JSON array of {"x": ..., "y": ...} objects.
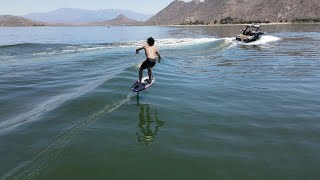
[{"x": 151, "y": 52}]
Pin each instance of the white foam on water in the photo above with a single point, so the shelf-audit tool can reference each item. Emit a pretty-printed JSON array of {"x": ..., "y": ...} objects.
[
  {"x": 84, "y": 49},
  {"x": 176, "y": 42},
  {"x": 93, "y": 48},
  {"x": 73, "y": 49},
  {"x": 45, "y": 53},
  {"x": 265, "y": 39},
  {"x": 183, "y": 41},
  {"x": 230, "y": 40}
]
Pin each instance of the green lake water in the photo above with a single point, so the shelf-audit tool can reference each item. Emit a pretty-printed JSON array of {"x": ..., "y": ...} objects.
[{"x": 219, "y": 109}]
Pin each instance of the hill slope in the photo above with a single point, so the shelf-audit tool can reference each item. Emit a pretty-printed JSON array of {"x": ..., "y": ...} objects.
[
  {"x": 209, "y": 11},
  {"x": 120, "y": 20},
  {"x": 15, "y": 21}
]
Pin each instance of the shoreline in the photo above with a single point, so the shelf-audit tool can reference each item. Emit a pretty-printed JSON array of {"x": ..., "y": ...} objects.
[
  {"x": 172, "y": 25},
  {"x": 264, "y": 24}
]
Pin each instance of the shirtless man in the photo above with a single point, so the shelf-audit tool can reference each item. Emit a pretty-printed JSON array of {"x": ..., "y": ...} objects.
[{"x": 151, "y": 53}]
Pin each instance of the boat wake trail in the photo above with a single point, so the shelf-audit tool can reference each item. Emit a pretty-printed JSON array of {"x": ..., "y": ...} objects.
[
  {"x": 50, "y": 104},
  {"x": 263, "y": 40},
  {"x": 32, "y": 169}
]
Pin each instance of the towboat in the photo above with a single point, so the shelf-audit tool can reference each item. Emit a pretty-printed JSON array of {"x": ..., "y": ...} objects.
[{"x": 250, "y": 33}]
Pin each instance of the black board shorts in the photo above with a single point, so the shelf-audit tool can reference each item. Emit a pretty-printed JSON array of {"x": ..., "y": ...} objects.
[{"x": 147, "y": 63}]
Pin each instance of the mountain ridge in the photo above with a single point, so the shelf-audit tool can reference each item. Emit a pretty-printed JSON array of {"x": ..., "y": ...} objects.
[
  {"x": 179, "y": 12},
  {"x": 16, "y": 21},
  {"x": 236, "y": 11},
  {"x": 82, "y": 16},
  {"x": 120, "y": 20}
]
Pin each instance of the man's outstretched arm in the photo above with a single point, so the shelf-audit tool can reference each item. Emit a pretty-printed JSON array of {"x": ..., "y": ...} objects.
[
  {"x": 138, "y": 49},
  {"x": 158, "y": 56}
]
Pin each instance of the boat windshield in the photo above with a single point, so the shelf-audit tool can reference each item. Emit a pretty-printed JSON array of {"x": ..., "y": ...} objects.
[{"x": 251, "y": 30}]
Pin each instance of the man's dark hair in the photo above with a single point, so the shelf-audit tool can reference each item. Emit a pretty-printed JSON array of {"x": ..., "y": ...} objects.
[{"x": 150, "y": 41}]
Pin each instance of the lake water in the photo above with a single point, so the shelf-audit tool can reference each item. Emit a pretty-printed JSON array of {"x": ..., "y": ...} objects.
[{"x": 218, "y": 109}]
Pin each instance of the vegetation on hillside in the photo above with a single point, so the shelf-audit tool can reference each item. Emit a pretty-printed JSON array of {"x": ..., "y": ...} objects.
[
  {"x": 230, "y": 20},
  {"x": 306, "y": 20},
  {"x": 196, "y": 22}
]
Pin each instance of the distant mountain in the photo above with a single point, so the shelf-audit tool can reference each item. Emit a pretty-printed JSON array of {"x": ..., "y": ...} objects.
[
  {"x": 81, "y": 16},
  {"x": 236, "y": 11},
  {"x": 120, "y": 20},
  {"x": 15, "y": 21}
]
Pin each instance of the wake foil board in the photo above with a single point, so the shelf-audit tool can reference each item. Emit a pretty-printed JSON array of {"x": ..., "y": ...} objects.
[{"x": 137, "y": 87}]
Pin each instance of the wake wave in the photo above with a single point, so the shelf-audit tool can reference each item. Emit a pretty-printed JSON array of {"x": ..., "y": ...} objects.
[
  {"x": 183, "y": 41},
  {"x": 160, "y": 42},
  {"x": 50, "y": 49},
  {"x": 50, "y": 105},
  {"x": 39, "y": 49},
  {"x": 19, "y": 44},
  {"x": 31, "y": 169}
]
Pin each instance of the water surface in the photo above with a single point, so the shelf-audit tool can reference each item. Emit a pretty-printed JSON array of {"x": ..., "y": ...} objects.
[{"x": 219, "y": 109}]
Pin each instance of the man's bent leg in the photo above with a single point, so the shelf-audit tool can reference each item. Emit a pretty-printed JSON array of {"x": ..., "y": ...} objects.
[
  {"x": 140, "y": 74},
  {"x": 150, "y": 75}
]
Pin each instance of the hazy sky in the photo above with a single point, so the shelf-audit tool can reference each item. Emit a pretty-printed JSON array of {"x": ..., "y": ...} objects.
[{"x": 22, "y": 7}]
